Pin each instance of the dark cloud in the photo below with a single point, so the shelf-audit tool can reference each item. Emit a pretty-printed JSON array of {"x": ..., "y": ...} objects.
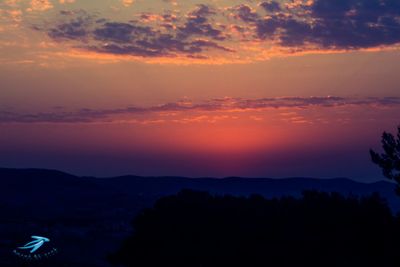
[
  {"x": 340, "y": 24},
  {"x": 121, "y": 32},
  {"x": 202, "y": 10},
  {"x": 356, "y": 23},
  {"x": 222, "y": 104},
  {"x": 158, "y": 46},
  {"x": 322, "y": 24},
  {"x": 169, "y": 18},
  {"x": 198, "y": 24},
  {"x": 199, "y": 45},
  {"x": 194, "y": 36},
  {"x": 72, "y": 26},
  {"x": 271, "y": 6},
  {"x": 266, "y": 28},
  {"x": 245, "y": 13}
]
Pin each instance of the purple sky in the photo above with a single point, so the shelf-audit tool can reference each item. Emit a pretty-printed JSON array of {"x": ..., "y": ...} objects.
[{"x": 198, "y": 88}]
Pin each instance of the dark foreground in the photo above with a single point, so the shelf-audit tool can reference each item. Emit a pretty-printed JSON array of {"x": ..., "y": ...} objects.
[
  {"x": 88, "y": 218},
  {"x": 320, "y": 229}
]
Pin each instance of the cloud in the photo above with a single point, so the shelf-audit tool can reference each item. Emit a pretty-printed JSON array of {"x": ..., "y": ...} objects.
[
  {"x": 66, "y": 1},
  {"x": 74, "y": 25},
  {"x": 271, "y": 6},
  {"x": 40, "y": 5},
  {"x": 249, "y": 30},
  {"x": 197, "y": 24},
  {"x": 127, "y": 3},
  {"x": 87, "y": 115},
  {"x": 245, "y": 13},
  {"x": 12, "y": 3},
  {"x": 327, "y": 24},
  {"x": 15, "y": 15},
  {"x": 191, "y": 39}
]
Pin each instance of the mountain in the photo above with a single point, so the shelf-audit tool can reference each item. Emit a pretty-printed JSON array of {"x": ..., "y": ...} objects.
[
  {"x": 50, "y": 187},
  {"x": 96, "y": 212}
]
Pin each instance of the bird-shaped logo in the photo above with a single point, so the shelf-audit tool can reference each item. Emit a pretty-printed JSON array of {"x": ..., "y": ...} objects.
[{"x": 34, "y": 245}]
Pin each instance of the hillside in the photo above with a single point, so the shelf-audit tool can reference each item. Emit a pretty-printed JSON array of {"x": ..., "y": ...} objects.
[{"x": 96, "y": 213}]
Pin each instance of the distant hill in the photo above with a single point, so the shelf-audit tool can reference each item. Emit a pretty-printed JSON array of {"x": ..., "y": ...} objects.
[
  {"x": 96, "y": 212},
  {"x": 39, "y": 186}
]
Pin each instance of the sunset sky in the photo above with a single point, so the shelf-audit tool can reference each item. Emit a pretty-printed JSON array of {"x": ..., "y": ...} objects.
[{"x": 198, "y": 88}]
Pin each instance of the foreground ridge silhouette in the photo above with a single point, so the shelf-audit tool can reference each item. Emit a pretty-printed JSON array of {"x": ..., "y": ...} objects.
[{"x": 319, "y": 229}]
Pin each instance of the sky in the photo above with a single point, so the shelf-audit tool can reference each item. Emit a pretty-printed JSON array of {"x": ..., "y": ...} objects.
[{"x": 210, "y": 88}]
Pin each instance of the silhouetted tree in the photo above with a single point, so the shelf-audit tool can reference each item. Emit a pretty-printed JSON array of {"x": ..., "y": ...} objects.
[
  {"x": 194, "y": 229},
  {"x": 389, "y": 161}
]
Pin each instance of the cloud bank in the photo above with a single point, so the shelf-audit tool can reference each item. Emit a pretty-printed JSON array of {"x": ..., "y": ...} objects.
[
  {"x": 87, "y": 115},
  {"x": 211, "y": 29},
  {"x": 192, "y": 38}
]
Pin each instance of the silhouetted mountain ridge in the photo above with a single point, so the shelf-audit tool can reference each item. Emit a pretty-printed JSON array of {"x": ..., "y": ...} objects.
[
  {"x": 96, "y": 213},
  {"x": 26, "y": 182}
]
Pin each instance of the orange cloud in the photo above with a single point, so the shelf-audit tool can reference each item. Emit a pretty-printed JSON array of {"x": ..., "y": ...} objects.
[
  {"x": 66, "y": 1},
  {"x": 40, "y": 5},
  {"x": 127, "y": 3},
  {"x": 210, "y": 111}
]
